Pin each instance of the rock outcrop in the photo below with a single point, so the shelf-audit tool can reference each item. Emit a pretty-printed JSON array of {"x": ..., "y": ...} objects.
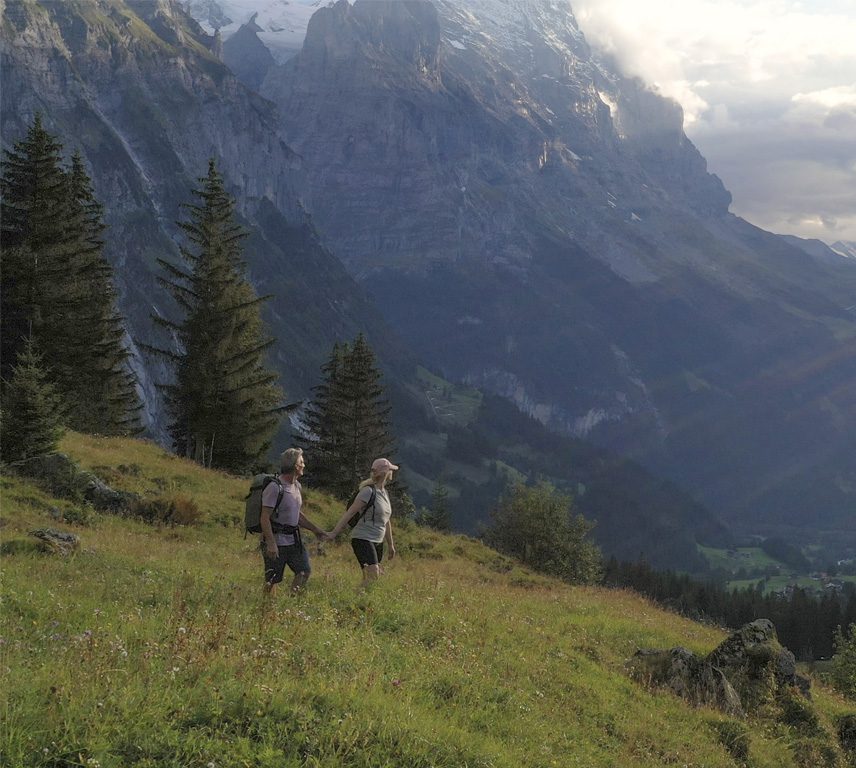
[
  {"x": 747, "y": 671},
  {"x": 56, "y": 542},
  {"x": 686, "y": 675},
  {"x": 57, "y": 474}
]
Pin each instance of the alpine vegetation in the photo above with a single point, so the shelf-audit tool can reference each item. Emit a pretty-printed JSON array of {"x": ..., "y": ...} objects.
[
  {"x": 555, "y": 539},
  {"x": 57, "y": 286},
  {"x": 224, "y": 404}
]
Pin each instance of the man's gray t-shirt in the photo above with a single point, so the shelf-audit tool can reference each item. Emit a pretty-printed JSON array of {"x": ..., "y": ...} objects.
[
  {"x": 372, "y": 524},
  {"x": 289, "y": 508}
]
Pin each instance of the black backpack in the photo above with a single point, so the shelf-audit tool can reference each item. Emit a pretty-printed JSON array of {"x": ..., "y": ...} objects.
[
  {"x": 354, "y": 519},
  {"x": 253, "y": 504}
]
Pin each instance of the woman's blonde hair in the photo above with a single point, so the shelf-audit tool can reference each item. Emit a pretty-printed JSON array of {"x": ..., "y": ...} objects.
[{"x": 371, "y": 479}]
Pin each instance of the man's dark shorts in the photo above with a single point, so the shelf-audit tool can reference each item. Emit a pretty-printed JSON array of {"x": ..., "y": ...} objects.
[
  {"x": 292, "y": 555},
  {"x": 367, "y": 552}
]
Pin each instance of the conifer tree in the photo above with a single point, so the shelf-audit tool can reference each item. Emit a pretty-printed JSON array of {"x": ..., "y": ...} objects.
[
  {"x": 224, "y": 404},
  {"x": 30, "y": 421},
  {"x": 348, "y": 419},
  {"x": 367, "y": 428},
  {"x": 324, "y": 421},
  {"x": 57, "y": 285},
  {"x": 107, "y": 400},
  {"x": 438, "y": 516},
  {"x": 38, "y": 253}
]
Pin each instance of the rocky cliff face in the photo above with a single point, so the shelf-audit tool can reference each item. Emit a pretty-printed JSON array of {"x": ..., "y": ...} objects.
[
  {"x": 539, "y": 225},
  {"x": 137, "y": 87},
  {"x": 530, "y": 220},
  {"x": 247, "y": 56}
]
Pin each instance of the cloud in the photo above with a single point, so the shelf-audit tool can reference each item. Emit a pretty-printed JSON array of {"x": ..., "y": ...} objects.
[{"x": 768, "y": 89}]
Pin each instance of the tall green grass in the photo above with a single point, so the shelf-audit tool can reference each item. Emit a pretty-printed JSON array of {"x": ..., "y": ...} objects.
[{"x": 154, "y": 647}]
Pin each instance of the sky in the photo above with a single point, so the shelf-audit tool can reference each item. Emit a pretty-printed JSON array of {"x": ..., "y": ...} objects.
[{"x": 768, "y": 89}]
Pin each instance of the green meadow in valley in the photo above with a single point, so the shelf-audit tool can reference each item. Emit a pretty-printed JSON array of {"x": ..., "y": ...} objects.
[{"x": 152, "y": 646}]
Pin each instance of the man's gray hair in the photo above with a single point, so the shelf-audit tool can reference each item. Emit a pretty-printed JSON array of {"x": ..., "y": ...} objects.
[{"x": 288, "y": 459}]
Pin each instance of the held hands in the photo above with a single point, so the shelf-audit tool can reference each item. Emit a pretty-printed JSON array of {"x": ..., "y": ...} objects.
[{"x": 326, "y": 536}]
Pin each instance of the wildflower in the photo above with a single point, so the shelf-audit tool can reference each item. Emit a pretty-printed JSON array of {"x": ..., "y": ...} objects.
[
  {"x": 396, "y": 682},
  {"x": 182, "y": 630}
]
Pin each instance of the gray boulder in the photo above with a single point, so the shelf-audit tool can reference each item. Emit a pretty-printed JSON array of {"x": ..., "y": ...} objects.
[
  {"x": 747, "y": 670},
  {"x": 756, "y": 664},
  {"x": 56, "y": 542},
  {"x": 688, "y": 676}
]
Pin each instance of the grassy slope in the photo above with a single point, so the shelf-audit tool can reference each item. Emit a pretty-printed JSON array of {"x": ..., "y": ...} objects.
[{"x": 151, "y": 647}]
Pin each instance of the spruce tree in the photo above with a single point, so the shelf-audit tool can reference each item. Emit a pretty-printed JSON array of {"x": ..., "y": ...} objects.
[
  {"x": 224, "y": 404},
  {"x": 107, "y": 400},
  {"x": 30, "y": 421},
  {"x": 38, "y": 253},
  {"x": 440, "y": 507},
  {"x": 367, "y": 428},
  {"x": 348, "y": 419},
  {"x": 438, "y": 516},
  {"x": 324, "y": 421},
  {"x": 57, "y": 285}
]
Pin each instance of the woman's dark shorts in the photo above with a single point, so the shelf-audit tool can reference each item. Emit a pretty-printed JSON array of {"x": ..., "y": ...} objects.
[
  {"x": 292, "y": 555},
  {"x": 367, "y": 552}
]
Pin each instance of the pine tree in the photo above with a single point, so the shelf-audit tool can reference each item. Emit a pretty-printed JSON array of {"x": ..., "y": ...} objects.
[
  {"x": 348, "y": 419},
  {"x": 224, "y": 404},
  {"x": 30, "y": 421},
  {"x": 57, "y": 286}
]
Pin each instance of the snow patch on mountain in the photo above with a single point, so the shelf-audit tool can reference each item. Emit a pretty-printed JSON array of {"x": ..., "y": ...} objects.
[
  {"x": 283, "y": 23},
  {"x": 513, "y": 26},
  {"x": 846, "y": 248}
]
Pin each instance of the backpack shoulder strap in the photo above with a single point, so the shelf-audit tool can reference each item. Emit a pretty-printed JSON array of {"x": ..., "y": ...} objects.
[
  {"x": 279, "y": 492},
  {"x": 371, "y": 503}
]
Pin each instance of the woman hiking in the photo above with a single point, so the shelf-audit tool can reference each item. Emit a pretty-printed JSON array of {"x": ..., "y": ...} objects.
[{"x": 374, "y": 528}]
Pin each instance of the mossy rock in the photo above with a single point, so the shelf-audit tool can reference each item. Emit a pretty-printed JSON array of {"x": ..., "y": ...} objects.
[
  {"x": 847, "y": 736},
  {"x": 688, "y": 676}
]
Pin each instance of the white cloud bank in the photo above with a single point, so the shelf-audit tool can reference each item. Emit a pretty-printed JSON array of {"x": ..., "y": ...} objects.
[{"x": 768, "y": 89}]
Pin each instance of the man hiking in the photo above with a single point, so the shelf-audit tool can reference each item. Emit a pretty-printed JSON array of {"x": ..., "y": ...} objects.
[{"x": 281, "y": 543}]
